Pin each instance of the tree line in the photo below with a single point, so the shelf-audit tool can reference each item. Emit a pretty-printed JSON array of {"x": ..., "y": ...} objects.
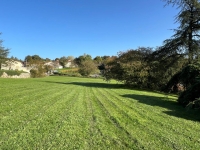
[{"x": 172, "y": 67}]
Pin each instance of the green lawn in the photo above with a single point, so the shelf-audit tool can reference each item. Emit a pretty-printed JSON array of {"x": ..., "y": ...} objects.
[{"x": 82, "y": 113}]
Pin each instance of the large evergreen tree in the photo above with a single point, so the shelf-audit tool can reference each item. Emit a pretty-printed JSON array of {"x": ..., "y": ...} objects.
[
  {"x": 186, "y": 38},
  {"x": 186, "y": 41}
]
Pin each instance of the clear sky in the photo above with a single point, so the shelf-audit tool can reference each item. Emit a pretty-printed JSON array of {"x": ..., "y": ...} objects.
[{"x": 56, "y": 28}]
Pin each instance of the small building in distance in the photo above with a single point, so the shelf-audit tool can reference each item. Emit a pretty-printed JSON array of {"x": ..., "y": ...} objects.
[{"x": 14, "y": 65}]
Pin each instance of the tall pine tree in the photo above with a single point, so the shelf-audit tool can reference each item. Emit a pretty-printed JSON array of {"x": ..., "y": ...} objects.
[{"x": 186, "y": 39}]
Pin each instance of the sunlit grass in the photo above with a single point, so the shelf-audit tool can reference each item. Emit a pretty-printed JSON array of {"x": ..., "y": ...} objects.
[{"x": 83, "y": 113}]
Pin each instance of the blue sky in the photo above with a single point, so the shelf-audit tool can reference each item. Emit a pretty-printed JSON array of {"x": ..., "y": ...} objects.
[{"x": 56, "y": 28}]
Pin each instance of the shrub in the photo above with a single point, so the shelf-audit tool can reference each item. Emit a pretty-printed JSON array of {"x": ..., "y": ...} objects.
[
  {"x": 33, "y": 73},
  {"x": 11, "y": 72},
  {"x": 39, "y": 72},
  {"x": 190, "y": 95},
  {"x": 186, "y": 77},
  {"x": 87, "y": 67}
]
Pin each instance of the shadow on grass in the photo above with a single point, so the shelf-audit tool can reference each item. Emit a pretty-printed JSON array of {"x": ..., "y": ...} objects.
[
  {"x": 91, "y": 84},
  {"x": 174, "y": 109},
  {"x": 106, "y": 85}
]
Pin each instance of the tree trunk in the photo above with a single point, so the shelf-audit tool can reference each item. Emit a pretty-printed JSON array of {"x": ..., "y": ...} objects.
[{"x": 190, "y": 32}]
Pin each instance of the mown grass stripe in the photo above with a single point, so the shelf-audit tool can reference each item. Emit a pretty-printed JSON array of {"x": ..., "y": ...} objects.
[
  {"x": 46, "y": 118},
  {"x": 48, "y": 105},
  {"x": 161, "y": 123},
  {"x": 145, "y": 111},
  {"x": 115, "y": 107},
  {"x": 78, "y": 113},
  {"x": 115, "y": 125}
]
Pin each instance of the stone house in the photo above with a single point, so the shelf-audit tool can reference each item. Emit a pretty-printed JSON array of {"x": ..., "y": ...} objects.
[{"x": 14, "y": 65}]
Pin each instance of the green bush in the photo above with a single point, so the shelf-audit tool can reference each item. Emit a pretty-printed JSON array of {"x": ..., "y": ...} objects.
[
  {"x": 33, "y": 73},
  {"x": 190, "y": 95},
  {"x": 187, "y": 77},
  {"x": 11, "y": 72},
  {"x": 39, "y": 72},
  {"x": 87, "y": 67}
]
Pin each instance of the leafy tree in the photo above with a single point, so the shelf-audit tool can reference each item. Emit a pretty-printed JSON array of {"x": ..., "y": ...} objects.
[
  {"x": 57, "y": 59},
  {"x": 3, "y": 53},
  {"x": 87, "y": 67},
  {"x": 48, "y": 68},
  {"x": 98, "y": 60},
  {"x": 38, "y": 72},
  {"x": 108, "y": 66},
  {"x": 70, "y": 58},
  {"x": 82, "y": 58},
  {"x": 130, "y": 67},
  {"x": 33, "y": 60},
  {"x": 47, "y": 60},
  {"x": 28, "y": 58},
  {"x": 134, "y": 66},
  {"x": 15, "y": 58},
  {"x": 36, "y": 64},
  {"x": 37, "y": 57},
  {"x": 63, "y": 60}
]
